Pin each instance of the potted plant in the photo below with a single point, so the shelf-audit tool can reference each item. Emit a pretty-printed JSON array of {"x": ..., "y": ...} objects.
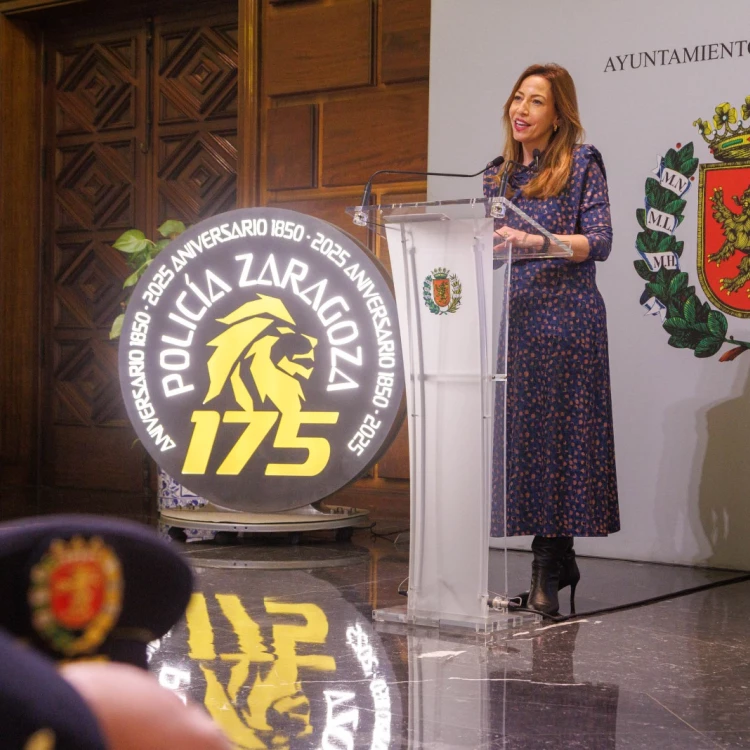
[{"x": 140, "y": 252}]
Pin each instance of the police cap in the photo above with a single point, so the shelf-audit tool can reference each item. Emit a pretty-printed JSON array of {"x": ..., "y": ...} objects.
[{"x": 79, "y": 586}]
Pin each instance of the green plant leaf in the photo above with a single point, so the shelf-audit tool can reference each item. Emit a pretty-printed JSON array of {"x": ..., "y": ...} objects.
[
  {"x": 655, "y": 289},
  {"x": 687, "y": 151},
  {"x": 672, "y": 310},
  {"x": 171, "y": 228},
  {"x": 680, "y": 341},
  {"x": 665, "y": 243},
  {"x": 676, "y": 325},
  {"x": 159, "y": 246},
  {"x": 717, "y": 323},
  {"x": 678, "y": 248},
  {"x": 116, "y": 329},
  {"x": 678, "y": 283},
  {"x": 643, "y": 270},
  {"x": 675, "y": 206},
  {"x": 671, "y": 160},
  {"x": 132, "y": 280},
  {"x": 132, "y": 241},
  {"x": 640, "y": 215},
  {"x": 708, "y": 346},
  {"x": 688, "y": 167},
  {"x": 689, "y": 310},
  {"x": 653, "y": 190}
]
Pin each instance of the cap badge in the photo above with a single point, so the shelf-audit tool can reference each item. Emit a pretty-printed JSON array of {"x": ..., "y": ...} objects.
[{"x": 76, "y": 594}]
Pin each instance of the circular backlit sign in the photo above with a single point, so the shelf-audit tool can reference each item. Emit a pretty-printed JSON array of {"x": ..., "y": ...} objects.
[{"x": 260, "y": 359}]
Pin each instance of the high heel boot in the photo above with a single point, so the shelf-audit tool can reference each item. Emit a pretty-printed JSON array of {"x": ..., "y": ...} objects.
[
  {"x": 545, "y": 573},
  {"x": 569, "y": 576}
]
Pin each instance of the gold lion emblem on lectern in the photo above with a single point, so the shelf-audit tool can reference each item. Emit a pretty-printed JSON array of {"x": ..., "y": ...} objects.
[{"x": 263, "y": 360}]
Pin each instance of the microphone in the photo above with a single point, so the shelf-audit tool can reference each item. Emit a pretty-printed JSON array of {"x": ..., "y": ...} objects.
[
  {"x": 360, "y": 217},
  {"x": 536, "y": 158}
]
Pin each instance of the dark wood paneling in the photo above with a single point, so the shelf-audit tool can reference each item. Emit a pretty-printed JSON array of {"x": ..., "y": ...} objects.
[
  {"x": 317, "y": 46},
  {"x": 386, "y": 128},
  {"x": 248, "y": 97},
  {"x": 291, "y": 147},
  {"x": 362, "y": 126},
  {"x": 405, "y": 40},
  {"x": 23, "y": 6},
  {"x": 116, "y": 457},
  {"x": 196, "y": 128},
  {"x": 395, "y": 463},
  {"x": 96, "y": 136},
  {"x": 110, "y": 170},
  {"x": 331, "y": 210},
  {"x": 20, "y": 200}
]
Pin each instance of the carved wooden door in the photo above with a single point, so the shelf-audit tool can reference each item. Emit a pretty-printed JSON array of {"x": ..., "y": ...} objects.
[{"x": 141, "y": 126}]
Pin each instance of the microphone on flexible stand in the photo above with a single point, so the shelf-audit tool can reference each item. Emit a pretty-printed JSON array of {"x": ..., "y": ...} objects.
[
  {"x": 360, "y": 217},
  {"x": 536, "y": 159}
]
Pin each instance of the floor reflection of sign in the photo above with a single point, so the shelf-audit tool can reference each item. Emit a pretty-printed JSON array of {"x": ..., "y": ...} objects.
[
  {"x": 261, "y": 351},
  {"x": 282, "y": 677}
]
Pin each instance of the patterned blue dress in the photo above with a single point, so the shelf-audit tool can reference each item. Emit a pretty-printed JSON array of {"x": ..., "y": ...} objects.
[{"x": 561, "y": 477}]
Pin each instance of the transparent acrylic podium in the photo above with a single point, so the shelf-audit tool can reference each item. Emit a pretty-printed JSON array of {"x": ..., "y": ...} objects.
[{"x": 452, "y": 291}]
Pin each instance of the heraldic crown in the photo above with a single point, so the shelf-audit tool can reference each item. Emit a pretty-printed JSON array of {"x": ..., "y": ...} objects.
[{"x": 725, "y": 142}]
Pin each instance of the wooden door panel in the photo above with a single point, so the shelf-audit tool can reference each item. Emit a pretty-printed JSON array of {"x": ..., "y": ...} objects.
[
  {"x": 135, "y": 136},
  {"x": 316, "y": 46},
  {"x": 405, "y": 40},
  {"x": 96, "y": 86},
  {"x": 88, "y": 284},
  {"x": 95, "y": 187},
  {"x": 94, "y": 102},
  {"x": 196, "y": 129},
  {"x": 291, "y": 147},
  {"x": 379, "y": 129}
]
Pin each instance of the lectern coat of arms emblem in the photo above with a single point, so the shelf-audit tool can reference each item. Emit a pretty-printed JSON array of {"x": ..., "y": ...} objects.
[{"x": 441, "y": 291}]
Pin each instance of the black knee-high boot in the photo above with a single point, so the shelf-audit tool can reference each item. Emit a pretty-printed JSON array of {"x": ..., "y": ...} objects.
[{"x": 545, "y": 573}]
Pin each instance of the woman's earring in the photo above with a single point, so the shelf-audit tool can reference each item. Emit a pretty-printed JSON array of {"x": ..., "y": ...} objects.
[{"x": 556, "y": 127}]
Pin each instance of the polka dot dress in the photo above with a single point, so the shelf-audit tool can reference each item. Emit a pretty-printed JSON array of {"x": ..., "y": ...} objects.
[{"x": 561, "y": 477}]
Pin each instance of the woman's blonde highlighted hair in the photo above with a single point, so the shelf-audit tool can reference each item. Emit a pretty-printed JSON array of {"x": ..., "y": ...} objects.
[{"x": 558, "y": 156}]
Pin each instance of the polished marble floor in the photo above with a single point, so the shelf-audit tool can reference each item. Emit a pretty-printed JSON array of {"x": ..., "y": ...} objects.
[{"x": 280, "y": 646}]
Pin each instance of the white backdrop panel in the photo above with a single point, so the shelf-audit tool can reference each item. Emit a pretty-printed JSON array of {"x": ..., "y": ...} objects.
[{"x": 682, "y": 424}]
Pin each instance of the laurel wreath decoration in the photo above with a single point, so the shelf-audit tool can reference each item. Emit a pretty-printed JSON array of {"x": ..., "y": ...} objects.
[
  {"x": 455, "y": 292},
  {"x": 690, "y": 323}
]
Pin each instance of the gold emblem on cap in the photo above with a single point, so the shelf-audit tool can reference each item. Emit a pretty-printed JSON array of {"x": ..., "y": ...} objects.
[
  {"x": 44, "y": 739},
  {"x": 76, "y": 595}
]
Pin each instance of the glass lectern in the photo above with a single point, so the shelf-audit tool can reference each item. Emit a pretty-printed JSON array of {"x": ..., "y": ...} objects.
[{"x": 452, "y": 283}]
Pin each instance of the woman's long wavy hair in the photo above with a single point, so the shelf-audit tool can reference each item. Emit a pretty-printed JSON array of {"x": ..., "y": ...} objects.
[{"x": 558, "y": 156}]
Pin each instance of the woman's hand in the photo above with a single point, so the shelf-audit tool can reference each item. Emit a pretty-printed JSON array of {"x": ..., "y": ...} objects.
[{"x": 506, "y": 235}]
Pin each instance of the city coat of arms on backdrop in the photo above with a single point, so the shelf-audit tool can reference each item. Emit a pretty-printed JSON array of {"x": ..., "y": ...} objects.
[{"x": 723, "y": 243}]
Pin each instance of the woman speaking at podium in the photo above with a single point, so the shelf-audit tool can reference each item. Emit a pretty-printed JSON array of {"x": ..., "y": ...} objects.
[{"x": 560, "y": 447}]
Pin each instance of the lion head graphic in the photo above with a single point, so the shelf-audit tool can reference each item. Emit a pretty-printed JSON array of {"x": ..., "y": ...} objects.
[{"x": 261, "y": 337}]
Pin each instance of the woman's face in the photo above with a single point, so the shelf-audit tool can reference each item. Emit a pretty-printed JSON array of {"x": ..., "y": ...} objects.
[{"x": 532, "y": 113}]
